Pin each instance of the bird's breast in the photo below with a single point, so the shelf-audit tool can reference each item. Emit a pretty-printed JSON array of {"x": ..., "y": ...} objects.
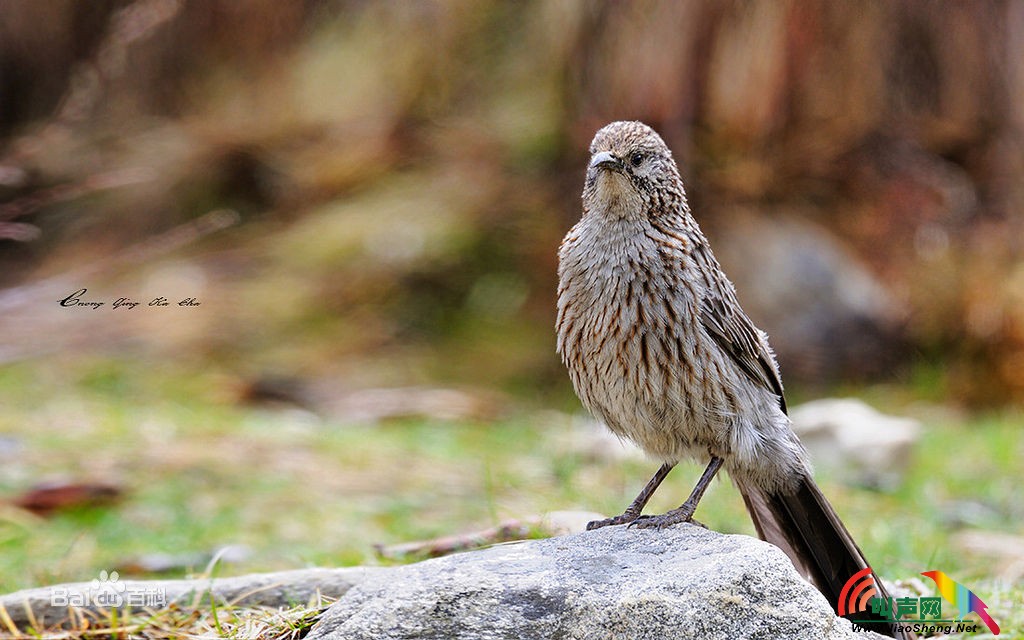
[{"x": 625, "y": 334}]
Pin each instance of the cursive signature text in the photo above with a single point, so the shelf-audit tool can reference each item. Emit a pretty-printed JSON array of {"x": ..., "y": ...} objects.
[{"x": 78, "y": 299}]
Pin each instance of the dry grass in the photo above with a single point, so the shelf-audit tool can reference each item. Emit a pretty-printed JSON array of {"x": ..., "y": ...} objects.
[{"x": 206, "y": 622}]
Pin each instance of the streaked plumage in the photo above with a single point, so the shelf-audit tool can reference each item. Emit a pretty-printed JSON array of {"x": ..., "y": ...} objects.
[{"x": 659, "y": 349}]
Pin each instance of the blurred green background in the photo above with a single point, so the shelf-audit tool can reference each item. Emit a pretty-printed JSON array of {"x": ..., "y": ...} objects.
[{"x": 366, "y": 199}]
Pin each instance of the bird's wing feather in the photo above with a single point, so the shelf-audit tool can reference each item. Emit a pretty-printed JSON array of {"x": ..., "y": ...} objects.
[{"x": 724, "y": 320}]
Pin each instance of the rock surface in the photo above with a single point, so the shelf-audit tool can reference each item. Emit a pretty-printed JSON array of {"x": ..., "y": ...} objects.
[
  {"x": 46, "y": 607},
  {"x": 681, "y": 582}
]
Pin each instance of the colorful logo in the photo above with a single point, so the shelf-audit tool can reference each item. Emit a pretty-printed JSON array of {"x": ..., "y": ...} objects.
[
  {"x": 920, "y": 615},
  {"x": 858, "y": 592},
  {"x": 965, "y": 600}
]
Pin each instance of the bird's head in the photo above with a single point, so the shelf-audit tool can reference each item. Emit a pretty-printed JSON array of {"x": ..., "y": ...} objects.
[{"x": 631, "y": 171}]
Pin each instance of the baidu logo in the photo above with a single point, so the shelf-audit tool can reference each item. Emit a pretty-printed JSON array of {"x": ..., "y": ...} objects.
[{"x": 107, "y": 591}]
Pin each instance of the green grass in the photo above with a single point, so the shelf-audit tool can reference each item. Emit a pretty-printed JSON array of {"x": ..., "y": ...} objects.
[{"x": 202, "y": 472}]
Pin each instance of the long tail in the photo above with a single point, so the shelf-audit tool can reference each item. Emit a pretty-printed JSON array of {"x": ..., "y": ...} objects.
[{"x": 806, "y": 527}]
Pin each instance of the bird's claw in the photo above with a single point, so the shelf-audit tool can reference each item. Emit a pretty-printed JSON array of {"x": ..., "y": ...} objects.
[
  {"x": 622, "y": 518},
  {"x": 665, "y": 520},
  {"x": 682, "y": 514}
]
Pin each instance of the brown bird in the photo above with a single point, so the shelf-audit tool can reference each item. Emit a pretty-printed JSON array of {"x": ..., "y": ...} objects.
[{"x": 659, "y": 349}]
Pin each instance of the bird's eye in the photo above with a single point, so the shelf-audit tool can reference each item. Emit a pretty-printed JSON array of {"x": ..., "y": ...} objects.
[{"x": 636, "y": 159}]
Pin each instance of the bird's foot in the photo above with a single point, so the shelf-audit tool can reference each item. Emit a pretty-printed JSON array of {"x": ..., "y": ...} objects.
[
  {"x": 682, "y": 514},
  {"x": 624, "y": 518}
]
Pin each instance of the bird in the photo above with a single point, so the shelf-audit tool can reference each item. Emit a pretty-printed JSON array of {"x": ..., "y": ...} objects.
[{"x": 659, "y": 349}]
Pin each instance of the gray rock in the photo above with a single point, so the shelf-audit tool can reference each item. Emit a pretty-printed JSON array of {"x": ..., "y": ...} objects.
[
  {"x": 861, "y": 445},
  {"x": 828, "y": 316},
  {"x": 682, "y": 582}
]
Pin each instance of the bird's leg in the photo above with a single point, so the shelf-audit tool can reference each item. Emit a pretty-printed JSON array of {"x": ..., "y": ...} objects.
[
  {"x": 632, "y": 512},
  {"x": 685, "y": 512}
]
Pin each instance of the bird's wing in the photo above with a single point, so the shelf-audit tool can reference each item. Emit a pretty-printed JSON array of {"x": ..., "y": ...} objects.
[{"x": 724, "y": 320}]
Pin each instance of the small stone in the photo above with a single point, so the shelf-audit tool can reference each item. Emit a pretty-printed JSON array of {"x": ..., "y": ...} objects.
[{"x": 864, "y": 446}]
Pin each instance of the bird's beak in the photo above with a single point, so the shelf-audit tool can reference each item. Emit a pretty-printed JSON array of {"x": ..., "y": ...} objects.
[{"x": 605, "y": 160}]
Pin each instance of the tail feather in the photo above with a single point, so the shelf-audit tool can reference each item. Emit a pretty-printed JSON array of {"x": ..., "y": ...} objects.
[{"x": 806, "y": 527}]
